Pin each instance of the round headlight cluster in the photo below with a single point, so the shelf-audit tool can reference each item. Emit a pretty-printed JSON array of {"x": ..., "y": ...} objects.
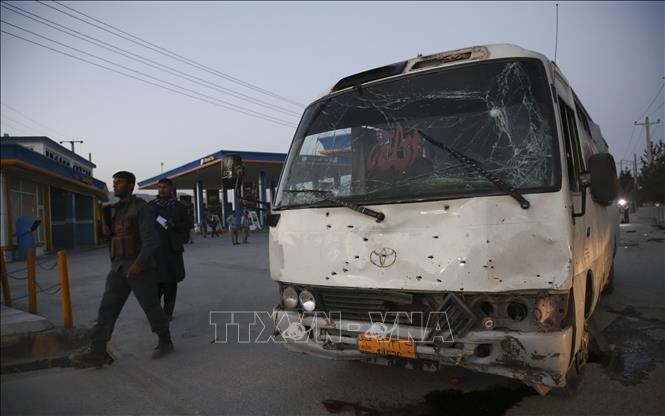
[
  {"x": 291, "y": 299},
  {"x": 307, "y": 301}
]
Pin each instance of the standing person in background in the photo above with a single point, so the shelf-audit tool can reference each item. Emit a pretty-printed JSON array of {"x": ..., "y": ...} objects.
[
  {"x": 214, "y": 224},
  {"x": 172, "y": 225},
  {"x": 233, "y": 227},
  {"x": 190, "y": 218},
  {"x": 245, "y": 225},
  {"x": 204, "y": 225}
]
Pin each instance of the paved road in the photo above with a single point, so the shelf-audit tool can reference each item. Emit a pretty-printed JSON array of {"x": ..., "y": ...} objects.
[{"x": 231, "y": 378}]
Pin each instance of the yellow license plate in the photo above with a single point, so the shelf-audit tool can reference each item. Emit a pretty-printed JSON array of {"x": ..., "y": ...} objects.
[{"x": 387, "y": 346}]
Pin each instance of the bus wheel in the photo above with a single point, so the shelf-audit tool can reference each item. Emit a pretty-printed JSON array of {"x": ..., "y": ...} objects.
[{"x": 576, "y": 371}]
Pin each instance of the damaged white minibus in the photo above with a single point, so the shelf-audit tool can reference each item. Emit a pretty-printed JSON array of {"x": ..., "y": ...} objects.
[{"x": 451, "y": 209}]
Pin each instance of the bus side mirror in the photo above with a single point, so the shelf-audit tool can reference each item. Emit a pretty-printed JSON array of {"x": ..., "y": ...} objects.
[{"x": 603, "y": 178}]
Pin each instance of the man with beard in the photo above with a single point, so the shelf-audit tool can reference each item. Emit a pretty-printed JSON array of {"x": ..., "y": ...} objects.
[
  {"x": 172, "y": 225},
  {"x": 133, "y": 243}
]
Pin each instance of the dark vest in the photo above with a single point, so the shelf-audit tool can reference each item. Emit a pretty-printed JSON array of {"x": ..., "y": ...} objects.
[{"x": 126, "y": 240}]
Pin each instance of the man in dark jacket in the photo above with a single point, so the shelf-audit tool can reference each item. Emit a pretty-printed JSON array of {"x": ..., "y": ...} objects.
[
  {"x": 213, "y": 225},
  {"x": 172, "y": 225},
  {"x": 133, "y": 242}
]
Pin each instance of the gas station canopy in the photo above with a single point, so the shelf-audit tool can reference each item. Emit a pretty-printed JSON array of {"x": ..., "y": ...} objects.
[{"x": 207, "y": 171}]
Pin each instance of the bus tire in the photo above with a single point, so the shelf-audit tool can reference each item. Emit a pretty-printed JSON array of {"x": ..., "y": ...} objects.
[{"x": 575, "y": 374}]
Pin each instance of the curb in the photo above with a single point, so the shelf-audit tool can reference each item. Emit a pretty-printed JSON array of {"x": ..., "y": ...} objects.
[{"x": 38, "y": 350}]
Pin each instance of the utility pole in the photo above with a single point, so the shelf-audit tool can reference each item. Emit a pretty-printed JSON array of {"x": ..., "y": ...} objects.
[
  {"x": 648, "y": 125},
  {"x": 71, "y": 142},
  {"x": 635, "y": 167},
  {"x": 627, "y": 163}
]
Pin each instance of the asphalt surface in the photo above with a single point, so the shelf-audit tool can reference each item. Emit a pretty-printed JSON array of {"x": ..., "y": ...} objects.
[{"x": 207, "y": 378}]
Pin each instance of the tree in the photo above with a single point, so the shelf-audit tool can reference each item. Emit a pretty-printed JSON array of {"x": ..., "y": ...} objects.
[
  {"x": 627, "y": 185},
  {"x": 651, "y": 181}
]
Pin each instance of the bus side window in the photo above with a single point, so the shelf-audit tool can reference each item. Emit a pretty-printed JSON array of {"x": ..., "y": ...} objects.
[{"x": 571, "y": 139}]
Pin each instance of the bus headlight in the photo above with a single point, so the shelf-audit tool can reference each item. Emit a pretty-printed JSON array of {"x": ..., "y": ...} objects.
[
  {"x": 289, "y": 297},
  {"x": 307, "y": 301},
  {"x": 550, "y": 310}
]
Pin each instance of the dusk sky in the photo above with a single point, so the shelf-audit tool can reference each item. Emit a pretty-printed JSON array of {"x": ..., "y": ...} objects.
[{"x": 613, "y": 53}]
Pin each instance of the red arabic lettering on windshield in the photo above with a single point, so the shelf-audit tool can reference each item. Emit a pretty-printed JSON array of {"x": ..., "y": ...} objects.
[{"x": 398, "y": 153}]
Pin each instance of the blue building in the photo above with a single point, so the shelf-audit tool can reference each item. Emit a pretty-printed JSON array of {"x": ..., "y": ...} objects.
[{"x": 44, "y": 181}]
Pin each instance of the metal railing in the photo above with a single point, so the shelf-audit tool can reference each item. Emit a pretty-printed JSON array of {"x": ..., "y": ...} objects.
[{"x": 33, "y": 285}]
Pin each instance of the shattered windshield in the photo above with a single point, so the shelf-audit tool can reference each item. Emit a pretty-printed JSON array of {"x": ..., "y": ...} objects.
[{"x": 365, "y": 145}]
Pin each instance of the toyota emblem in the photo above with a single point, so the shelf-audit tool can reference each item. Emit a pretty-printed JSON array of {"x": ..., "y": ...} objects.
[{"x": 383, "y": 258}]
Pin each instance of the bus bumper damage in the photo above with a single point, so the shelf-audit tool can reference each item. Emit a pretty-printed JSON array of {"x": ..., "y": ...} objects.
[{"x": 536, "y": 358}]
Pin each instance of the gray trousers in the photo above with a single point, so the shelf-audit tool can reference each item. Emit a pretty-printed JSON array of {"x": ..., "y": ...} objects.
[
  {"x": 116, "y": 293},
  {"x": 234, "y": 235}
]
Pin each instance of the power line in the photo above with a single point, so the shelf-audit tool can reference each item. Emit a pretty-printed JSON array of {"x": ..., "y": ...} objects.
[
  {"x": 649, "y": 148},
  {"x": 636, "y": 142},
  {"x": 652, "y": 101},
  {"x": 146, "y": 61},
  {"x": 143, "y": 73},
  {"x": 656, "y": 110},
  {"x": 18, "y": 122},
  {"x": 231, "y": 107},
  {"x": 142, "y": 42},
  {"x": 33, "y": 120},
  {"x": 4, "y": 123},
  {"x": 628, "y": 144}
]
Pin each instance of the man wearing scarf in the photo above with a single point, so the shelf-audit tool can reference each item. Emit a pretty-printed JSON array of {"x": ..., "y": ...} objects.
[{"x": 172, "y": 226}]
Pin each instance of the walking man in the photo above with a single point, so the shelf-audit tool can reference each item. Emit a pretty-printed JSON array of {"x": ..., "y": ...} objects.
[
  {"x": 233, "y": 227},
  {"x": 172, "y": 225},
  {"x": 133, "y": 242}
]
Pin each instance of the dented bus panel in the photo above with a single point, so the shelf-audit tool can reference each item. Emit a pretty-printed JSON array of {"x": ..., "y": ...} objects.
[{"x": 452, "y": 209}]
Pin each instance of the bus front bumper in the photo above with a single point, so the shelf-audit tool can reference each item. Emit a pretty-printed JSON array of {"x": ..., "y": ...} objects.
[{"x": 536, "y": 358}]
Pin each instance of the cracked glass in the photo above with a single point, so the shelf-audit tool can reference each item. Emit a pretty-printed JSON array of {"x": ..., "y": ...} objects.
[{"x": 363, "y": 144}]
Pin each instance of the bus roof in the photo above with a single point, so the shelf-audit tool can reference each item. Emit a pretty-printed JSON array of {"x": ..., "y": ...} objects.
[{"x": 437, "y": 60}]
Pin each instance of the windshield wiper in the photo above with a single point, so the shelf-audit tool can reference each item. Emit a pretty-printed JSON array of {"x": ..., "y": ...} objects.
[
  {"x": 477, "y": 167},
  {"x": 327, "y": 196}
]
